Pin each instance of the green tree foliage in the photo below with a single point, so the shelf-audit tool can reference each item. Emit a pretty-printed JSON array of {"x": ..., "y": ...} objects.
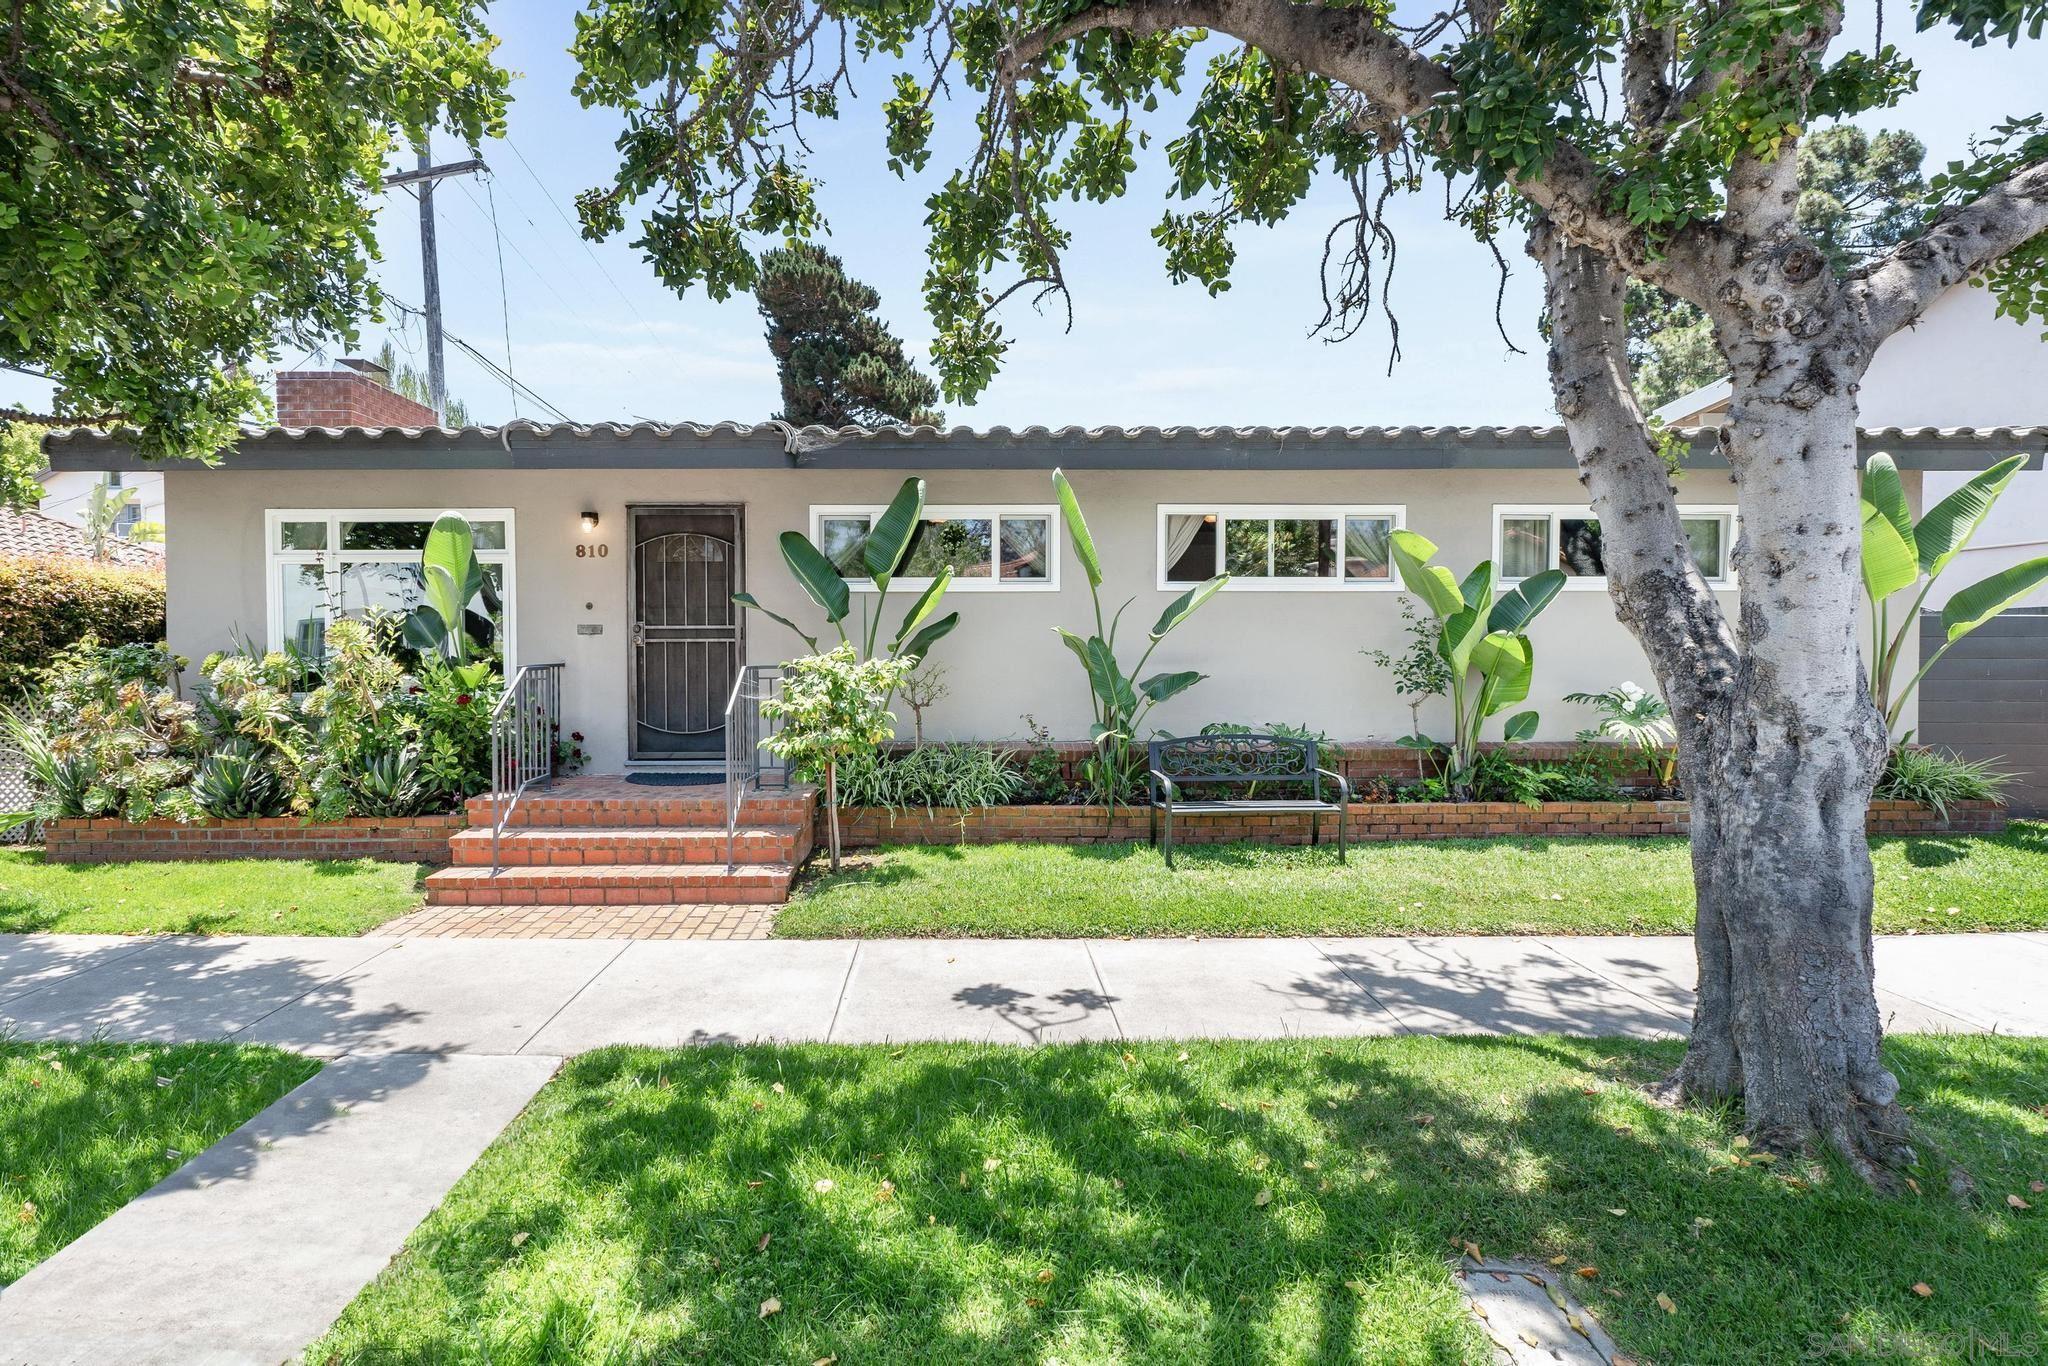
[
  {"x": 21, "y": 461},
  {"x": 1861, "y": 193},
  {"x": 840, "y": 364},
  {"x": 412, "y": 382},
  {"x": 181, "y": 186}
]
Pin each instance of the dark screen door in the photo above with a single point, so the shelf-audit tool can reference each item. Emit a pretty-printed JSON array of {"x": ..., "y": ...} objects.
[{"x": 686, "y": 630}]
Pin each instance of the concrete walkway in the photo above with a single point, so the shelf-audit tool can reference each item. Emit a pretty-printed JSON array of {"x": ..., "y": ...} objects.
[
  {"x": 552, "y": 998},
  {"x": 250, "y": 1250},
  {"x": 438, "y": 1043}
]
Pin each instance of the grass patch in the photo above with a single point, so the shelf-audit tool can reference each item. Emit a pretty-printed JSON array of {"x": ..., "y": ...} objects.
[
  {"x": 85, "y": 1128},
  {"x": 1510, "y": 885},
  {"x": 197, "y": 896},
  {"x": 1245, "y": 1202}
]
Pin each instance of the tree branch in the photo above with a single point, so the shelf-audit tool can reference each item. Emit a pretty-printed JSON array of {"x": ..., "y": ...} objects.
[
  {"x": 1959, "y": 243},
  {"x": 1350, "y": 47},
  {"x": 1657, "y": 589}
]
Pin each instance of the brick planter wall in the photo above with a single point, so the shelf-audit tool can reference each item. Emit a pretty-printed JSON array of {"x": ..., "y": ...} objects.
[
  {"x": 869, "y": 826},
  {"x": 401, "y": 839}
]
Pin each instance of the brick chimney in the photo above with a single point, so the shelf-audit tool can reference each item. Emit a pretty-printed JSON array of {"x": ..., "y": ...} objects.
[{"x": 355, "y": 394}]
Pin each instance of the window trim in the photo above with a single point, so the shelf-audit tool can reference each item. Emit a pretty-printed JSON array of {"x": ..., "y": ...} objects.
[
  {"x": 1556, "y": 512},
  {"x": 1397, "y": 513},
  {"x": 993, "y": 513},
  {"x": 331, "y": 558}
]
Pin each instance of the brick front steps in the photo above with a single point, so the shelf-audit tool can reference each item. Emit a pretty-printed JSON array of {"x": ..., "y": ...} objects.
[
  {"x": 586, "y": 847},
  {"x": 868, "y": 826}
]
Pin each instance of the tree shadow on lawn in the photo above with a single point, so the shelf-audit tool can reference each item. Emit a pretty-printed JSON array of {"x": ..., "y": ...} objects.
[{"x": 1279, "y": 1201}]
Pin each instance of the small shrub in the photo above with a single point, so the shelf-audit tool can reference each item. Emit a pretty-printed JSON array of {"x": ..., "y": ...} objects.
[
  {"x": 1044, "y": 778},
  {"x": 47, "y": 606},
  {"x": 948, "y": 775},
  {"x": 1939, "y": 779}
]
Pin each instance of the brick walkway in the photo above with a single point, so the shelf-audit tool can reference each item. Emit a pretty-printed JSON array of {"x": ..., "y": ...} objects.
[{"x": 702, "y": 921}]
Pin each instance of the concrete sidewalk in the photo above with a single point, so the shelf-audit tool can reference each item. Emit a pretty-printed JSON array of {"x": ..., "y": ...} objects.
[
  {"x": 249, "y": 1251},
  {"x": 552, "y": 998}
]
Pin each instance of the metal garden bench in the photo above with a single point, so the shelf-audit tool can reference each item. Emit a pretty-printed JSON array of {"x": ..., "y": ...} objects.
[{"x": 1250, "y": 761}]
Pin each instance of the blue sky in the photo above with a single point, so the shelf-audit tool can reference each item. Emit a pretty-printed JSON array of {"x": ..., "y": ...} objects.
[{"x": 593, "y": 332}]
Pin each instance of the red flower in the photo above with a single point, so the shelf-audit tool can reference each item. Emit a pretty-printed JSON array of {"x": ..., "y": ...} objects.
[{"x": 462, "y": 699}]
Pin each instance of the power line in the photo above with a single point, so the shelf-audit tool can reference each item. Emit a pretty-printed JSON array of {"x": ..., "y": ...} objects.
[
  {"x": 504, "y": 300},
  {"x": 575, "y": 231},
  {"x": 492, "y": 367}
]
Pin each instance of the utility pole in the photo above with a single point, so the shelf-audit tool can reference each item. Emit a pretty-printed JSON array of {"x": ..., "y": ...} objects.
[{"x": 430, "y": 264}]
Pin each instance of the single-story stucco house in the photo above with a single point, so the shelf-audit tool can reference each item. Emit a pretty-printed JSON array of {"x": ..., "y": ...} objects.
[{"x": 616, "y": 550}]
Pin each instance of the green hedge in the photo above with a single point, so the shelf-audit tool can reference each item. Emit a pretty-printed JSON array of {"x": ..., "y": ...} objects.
[{"x": 46, "y": 605}]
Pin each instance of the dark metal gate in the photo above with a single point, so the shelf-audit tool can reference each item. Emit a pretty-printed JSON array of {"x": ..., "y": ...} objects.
[
  {"x": 1988, "y": 699},
  {"x": 687, "y": 564}
]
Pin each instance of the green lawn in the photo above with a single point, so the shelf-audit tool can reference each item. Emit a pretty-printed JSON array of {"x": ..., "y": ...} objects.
[
  {"x": 1244, "y": 1202},
  {"x": 231, "y": 896},
  {"x": 1486, "y": 886},
  {"x": 85, "y": 1128}
]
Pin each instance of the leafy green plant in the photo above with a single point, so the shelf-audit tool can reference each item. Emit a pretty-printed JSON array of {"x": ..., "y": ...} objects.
[
  {"x": 454, "y": 714},
  {"x": 236, "y": 781},
  {"x": 1899, "y": 553},
  {"x": 1420, "y": 673},
  {"x": 1480, "y": 639},
  {"x": 1939, "y": 779},
  {"x": 953, "y": 776},
  {"x": 443, "y": 626},
  {"x": 1640, "y": 720},
  {"x": 888, "y": 544},
  {"x": 1045, "y": 775},
  {"x": 59, "y": 781},
  {"x": 1121, "y": 700},
  {"x": 833, "y": 707}
]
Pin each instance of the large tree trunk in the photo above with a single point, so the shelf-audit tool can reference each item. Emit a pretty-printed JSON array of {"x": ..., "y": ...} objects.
[{"x": 1780, "y": 744}]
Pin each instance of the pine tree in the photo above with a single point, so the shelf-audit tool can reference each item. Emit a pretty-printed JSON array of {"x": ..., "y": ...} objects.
[{"x": 840, "y": 364}]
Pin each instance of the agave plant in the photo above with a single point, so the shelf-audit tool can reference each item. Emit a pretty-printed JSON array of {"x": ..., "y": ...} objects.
[
  {"x": 1121, "y": 699},
  {"x": 1640, "y": 720},
  {"x": 1480, "y": 636},
  {"x": 888, "y": 545},
  {"x": 237, "y": 781},
  {"x": 1899, "y": 552}
]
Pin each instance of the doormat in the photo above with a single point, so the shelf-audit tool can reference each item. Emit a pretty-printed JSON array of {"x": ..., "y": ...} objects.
[{"x": 677, "y": 779}]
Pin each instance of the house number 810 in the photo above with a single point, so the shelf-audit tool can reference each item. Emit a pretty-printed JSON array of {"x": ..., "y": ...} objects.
[{"x": 592, "y": 552}]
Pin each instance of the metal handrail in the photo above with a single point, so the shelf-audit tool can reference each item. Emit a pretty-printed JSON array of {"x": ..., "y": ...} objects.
[
  {"x": 523, "y": 727},
  {"x": 745, "y": 729}
]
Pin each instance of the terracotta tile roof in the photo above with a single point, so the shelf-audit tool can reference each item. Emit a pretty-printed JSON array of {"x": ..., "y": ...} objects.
[{"x": 31, "y": 535}]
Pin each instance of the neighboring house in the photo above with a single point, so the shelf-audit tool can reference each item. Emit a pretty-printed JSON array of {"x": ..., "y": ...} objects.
[
  {"x": 33, "y": 536},
  {"x": 357, "y": 393},
  {"x": 616, "y": 550},
  {"x": 67, "y": 493},
  {"x": 1960, "y": 366}
]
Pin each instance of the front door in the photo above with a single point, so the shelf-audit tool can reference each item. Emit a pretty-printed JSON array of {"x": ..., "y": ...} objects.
[{"x": 686, "y": 631}]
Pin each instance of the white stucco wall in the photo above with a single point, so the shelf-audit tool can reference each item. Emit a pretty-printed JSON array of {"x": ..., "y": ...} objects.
[
  {"x": 1964, "y": 366},
  {"x": 1272, "y": 656}
]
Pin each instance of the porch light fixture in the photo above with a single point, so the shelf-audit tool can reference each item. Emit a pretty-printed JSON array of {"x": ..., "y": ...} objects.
[{"x": 589, "y": 522}]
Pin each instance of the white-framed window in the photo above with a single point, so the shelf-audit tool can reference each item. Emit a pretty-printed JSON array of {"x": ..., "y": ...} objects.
[
  {"x": 992, "y": 547},
  {"x": 324, "y": 563},
  {"x": 1278, "y": 548},
  {"x": 1528, "y": 539}
]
